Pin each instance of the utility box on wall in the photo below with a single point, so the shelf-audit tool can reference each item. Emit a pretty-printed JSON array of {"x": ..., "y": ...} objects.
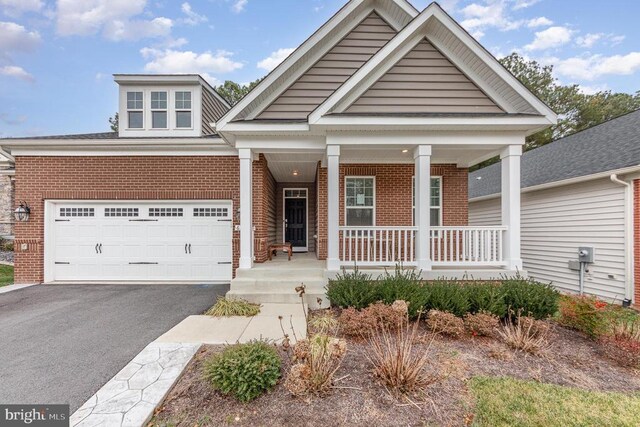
[{"x": 587, "y": 254}]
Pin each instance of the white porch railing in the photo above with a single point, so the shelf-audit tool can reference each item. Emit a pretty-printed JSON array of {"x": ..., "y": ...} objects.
[
  {"x": 463, "y": 246},
  {"x": 377, "y": 246},
  {"x": 450, "y": 246}
]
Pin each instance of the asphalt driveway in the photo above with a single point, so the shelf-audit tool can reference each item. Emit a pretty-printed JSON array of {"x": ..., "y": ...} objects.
[{"x": 61, "y": 343}]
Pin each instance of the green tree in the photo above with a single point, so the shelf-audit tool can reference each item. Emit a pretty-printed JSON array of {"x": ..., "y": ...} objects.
[
  {"x": 234, "y": 92},
  {"x": 603, "y": 106},
  {"x": 114, "y": 122}
]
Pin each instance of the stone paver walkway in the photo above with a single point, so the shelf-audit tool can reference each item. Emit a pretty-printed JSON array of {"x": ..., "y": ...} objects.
[{"x": 131, "y": 396}]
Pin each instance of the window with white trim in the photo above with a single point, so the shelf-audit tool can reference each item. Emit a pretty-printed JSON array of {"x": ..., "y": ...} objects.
[
  {"x": 360, "y": 201},
  {"x": 135, "y": 114},
  {"x": 183, "y": 109},
  {"x": 435, "y": 197},
  {"x": 159, "y": 110}
]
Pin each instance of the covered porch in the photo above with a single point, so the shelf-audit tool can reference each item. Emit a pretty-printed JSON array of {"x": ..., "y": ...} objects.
[{"x": 373, "y": 206}]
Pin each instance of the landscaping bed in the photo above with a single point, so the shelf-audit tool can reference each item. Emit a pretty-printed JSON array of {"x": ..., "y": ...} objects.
[
  {"x": 400, "y": 351},
  {"x": 572, "y": 360}
]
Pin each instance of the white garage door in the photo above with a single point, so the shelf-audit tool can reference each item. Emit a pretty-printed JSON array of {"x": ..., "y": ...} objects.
[{"x": 177, "y": 241}]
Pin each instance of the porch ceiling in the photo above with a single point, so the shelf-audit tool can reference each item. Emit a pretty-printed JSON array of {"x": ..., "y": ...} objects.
[
  {"x": 294, "y": 167},
  {"x": 463, "y": 155}
]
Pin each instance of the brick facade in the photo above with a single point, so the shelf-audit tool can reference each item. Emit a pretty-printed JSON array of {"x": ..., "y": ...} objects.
[
  {"x": 210, "y": 178},
  {"x": 394, "y": 195},
  {"x": 113, "y": 178},
  {"x": 636, "y": 242}
]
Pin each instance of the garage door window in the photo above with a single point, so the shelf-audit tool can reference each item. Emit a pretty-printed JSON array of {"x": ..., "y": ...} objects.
[
  {"x": 210, "y": 212},
  {"x": 121, "y": 212},
  {"x": 166, "y": 212},
  {"x": 76, "y": 212}
]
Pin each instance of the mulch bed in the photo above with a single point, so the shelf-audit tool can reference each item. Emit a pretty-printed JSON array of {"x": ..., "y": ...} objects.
[{"x": 359, "y": 400}]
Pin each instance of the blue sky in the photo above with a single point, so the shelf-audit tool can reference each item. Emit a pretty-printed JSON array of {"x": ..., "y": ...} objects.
[{"x": 57, "y": 57}]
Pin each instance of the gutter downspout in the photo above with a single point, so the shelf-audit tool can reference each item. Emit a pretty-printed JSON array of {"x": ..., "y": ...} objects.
[{"x": 628, "y": 235}]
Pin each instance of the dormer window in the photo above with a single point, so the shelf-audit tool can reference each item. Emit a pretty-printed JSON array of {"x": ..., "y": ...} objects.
[
  {"x": 159, "y": 110},
  {"x": 135, "y": 113},
  {"x": 183, "y": 109}
]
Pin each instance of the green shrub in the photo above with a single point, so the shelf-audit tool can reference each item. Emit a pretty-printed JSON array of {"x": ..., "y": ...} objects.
[
  {"x": 531, "y": 298},
  {"x": 233, "y": 307},
  {"x": 352, "y": 289},
  {"x": 244, "y": 370},
  {"x": 447, "y": 295},
  {"x": 486, "y": 297},
  {"x": 403, "y": 285}
]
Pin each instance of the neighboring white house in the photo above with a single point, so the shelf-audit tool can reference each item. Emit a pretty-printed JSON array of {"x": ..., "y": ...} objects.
[{"x": 577, "y": 191}]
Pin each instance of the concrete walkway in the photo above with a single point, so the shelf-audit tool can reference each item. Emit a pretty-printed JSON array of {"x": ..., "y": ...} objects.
[{"x": 228, "y": 330}]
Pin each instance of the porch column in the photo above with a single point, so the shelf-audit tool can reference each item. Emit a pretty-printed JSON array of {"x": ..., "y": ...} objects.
[
  {"x": 246, "y": 208},
  {"x": 422, "y": 157},
  {"x": 511, "y": 205},
  {"x": 333, "y": 207}
]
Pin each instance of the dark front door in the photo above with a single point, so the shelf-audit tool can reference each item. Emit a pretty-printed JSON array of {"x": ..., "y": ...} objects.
[{"x": 295, "y": 215}]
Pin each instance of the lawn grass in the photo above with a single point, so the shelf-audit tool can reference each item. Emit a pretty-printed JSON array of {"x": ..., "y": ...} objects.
[
  {"x": 508, "y": 402},
  {"x": 6, "y": 275}
]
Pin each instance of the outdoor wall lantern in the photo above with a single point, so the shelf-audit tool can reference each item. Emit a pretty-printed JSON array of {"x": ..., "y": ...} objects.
[{"x": 22, "y": 212}]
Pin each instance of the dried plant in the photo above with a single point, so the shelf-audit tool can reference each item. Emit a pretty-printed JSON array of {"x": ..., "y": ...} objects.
[
  {"x": 324, "y": 323},
  {"x": 482, "y": 324},
  {"x": 362, "y": 323},
  {"x": 626, "y": 329},
  {"x": 319, "y": 358},
  {"x": 442, "y": 322},
  {"x": 396, "y": 363},
  {"x": 526, "y": 334},
  {"x": 233, "y": 307}
]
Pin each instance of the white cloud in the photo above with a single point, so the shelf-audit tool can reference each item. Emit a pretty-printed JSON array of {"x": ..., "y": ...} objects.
[
  {"x": 589, "y": 39},
  {"x": 275, "y": 59},
  {"x": 522, "y": 4},
  {"x": 550, "y": 38},
  {"x": 16, "y": 72},
  {"x": 15, "y": 37},
  {"x": 539, "y": 22},
  {"x": 492, "y": 14},
  {"x": 111, "y": 17},
  {"x": 239, "y": 5},
  {"x": 18, "y": 7},
  {"x": 595, "y": 66},
  {"x": 185, "y": 62},
  {"x": 137, "y": 29},
  {"x": 192, "y": 18}
]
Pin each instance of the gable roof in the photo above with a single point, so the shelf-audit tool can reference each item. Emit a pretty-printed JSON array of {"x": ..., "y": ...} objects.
[
  {"x": 462, "y": 49},
  {"x": 423, "y": 81},
  {"x": 609, "y": 146},
  {"x": 397, "y": 13},
  {"x": 332, "y": 70}
]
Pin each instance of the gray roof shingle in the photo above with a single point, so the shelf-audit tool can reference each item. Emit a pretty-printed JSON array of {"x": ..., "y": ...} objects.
[
  {"x": 609, "y": 146},
  {"x": 98, "y": 136}
]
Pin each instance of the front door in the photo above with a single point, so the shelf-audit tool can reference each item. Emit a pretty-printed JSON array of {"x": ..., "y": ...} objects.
[{"x": 295, "y": 219}]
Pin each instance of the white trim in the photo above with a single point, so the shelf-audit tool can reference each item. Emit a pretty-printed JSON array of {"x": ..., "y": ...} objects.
[
  {"x": 302, "y": 53},
  {"x": 400, "y": 45},
  {"x": 306, "y": 214},
  {"x": 246, "y": 208},
  {"x": 373, "y": 177},
  {"x": 569, "y": 181}
]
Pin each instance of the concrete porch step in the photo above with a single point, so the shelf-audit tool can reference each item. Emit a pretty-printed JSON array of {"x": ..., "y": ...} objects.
[
  {"x": 280, "y": 273},
  {"x": 278, "y": 285},
  {"x": 267, "y": 296}
]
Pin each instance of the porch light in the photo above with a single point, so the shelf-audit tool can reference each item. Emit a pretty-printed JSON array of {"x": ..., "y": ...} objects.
[
  {"x": 405, "y": 151},
  {"x": 22, "y": 212},
  {"x": 295, "y": 173}
]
